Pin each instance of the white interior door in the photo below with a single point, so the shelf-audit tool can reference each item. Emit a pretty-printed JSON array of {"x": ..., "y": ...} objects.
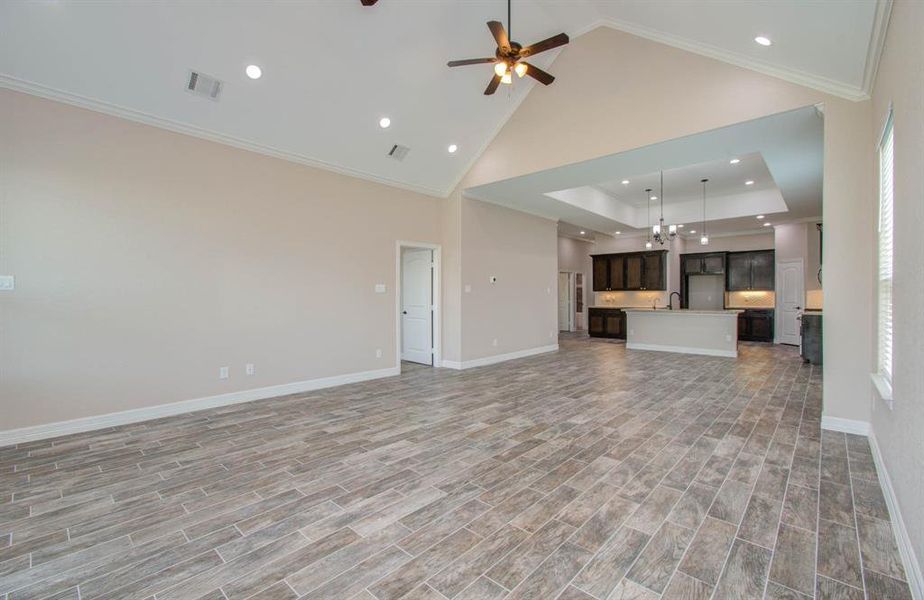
[
  {"x": 564, "y": 302},
  {"x": 417, "y": 305},
  {"x": 790, "y": 295}
]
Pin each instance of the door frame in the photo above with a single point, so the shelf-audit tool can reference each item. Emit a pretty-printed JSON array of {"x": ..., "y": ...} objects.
[
  {"x": 437, "y": 299},
  {"x": 572, "y": 293},
  {"x": 777, "y": 313}
]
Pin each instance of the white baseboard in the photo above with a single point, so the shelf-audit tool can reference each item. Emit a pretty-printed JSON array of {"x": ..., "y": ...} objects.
[
  {"x": 845, "y": 425},
  {"x": 681, "y": 349},
  {"x": 497, "y": 358},
  {"x": 50, "y": 430},
  {"x": 905, "y": 549}
]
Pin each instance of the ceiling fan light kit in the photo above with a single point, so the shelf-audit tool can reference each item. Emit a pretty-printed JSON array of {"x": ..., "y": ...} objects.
[{"x": 509, "y": 56}]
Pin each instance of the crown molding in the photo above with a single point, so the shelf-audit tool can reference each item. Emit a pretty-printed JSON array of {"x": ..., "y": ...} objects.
[
  {"x": 115, "y": 110},
  {"x": 876, "y": 43},
  {"x": 817, "y": 82}
]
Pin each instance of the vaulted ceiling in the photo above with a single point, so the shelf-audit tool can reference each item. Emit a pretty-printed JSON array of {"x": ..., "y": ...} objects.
[{"x": 333, "y": 68}]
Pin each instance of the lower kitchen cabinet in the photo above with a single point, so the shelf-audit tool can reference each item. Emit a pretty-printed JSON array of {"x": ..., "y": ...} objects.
[
  {"x": 607, "y": 322},
  {"x": 756, "y": 325}
]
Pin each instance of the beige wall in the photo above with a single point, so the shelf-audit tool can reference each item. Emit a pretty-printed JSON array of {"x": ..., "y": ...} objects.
[
  {"x": 899, "y": 430},
  {"x": 615, "y": 92},
  {"x": 574, "y": 256},
  {"x": 520, "y": 309},
  {"x": 145, "y": 260}
]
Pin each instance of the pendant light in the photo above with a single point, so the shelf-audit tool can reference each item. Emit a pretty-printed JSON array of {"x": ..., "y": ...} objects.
[
  {"x": 704, "y": 240},
  {"x": 658, "y": 230},
  {"x": 648, "y": 200}
]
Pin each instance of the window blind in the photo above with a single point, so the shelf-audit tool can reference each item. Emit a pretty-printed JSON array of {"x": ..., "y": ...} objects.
[{"x": 886, "y": 179}]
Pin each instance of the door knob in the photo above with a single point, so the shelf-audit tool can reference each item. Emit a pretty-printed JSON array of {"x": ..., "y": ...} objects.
[
  {"x": 798, "y": 308},
  {"x": 403, "y": 312}
]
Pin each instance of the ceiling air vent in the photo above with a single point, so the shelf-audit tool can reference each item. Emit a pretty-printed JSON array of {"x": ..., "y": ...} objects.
[
  {"x": 398, "y": 152},
  {"x": 204, "y": 85}
]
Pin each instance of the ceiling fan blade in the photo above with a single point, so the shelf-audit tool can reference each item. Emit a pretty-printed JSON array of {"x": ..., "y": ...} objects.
[
  {"x": 492, "y": 85},
  {"x": 553, "y": 42},
  {"x": 470, "y": 61},
  {"x": 368, "y": 2},
  {"x": 538, "y": 74},
  {"x": 500, "y": 35}
]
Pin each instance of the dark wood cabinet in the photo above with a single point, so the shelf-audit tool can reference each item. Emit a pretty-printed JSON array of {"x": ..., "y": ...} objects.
[
  {"x": 635, "y": 265},
  {"x": 756, "y": 325},
  {"x": 617, "y": 268},
  {"x": 753, "y": 270},
  {"x": 653, "y": 279},
  {"x": 706, "y": 263},
  {"x": 630, "y": 271},
  {"x": 607, "y": 322},
  {"x": 601, "y": 281}
]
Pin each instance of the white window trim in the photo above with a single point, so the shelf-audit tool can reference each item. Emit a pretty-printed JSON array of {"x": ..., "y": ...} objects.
[{"x": 881, "y": 380}]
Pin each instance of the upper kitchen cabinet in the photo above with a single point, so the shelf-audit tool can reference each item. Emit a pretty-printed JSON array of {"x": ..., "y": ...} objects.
[
  {"x": 630, "y": 271},
  {"x": 752, "y": 270},
  {"x": 704, "y": 263}
]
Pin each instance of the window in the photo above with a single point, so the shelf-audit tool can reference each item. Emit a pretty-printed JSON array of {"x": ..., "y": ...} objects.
[{"x": 884, "y": 283}]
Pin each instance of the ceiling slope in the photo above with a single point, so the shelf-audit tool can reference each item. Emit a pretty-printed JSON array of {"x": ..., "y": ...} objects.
[{"x": 333, "y": 68}]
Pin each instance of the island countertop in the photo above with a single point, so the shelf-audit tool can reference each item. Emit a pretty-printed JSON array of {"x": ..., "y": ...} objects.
[{"x": 686, "y": 311}]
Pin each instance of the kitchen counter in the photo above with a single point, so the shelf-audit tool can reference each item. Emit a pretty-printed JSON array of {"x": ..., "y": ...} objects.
[
  {"x": 708, "y": 332},
  {"x": 686, "y": 311}
]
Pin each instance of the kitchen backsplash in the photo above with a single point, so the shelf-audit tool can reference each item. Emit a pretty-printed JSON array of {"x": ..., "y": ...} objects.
[
  {"x": 631, "y": 299},
  {"x": 750, "y": 299}
]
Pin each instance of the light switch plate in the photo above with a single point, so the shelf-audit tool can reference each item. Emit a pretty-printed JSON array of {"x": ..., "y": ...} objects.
[
  {"x": 380, "y": 288},
  {"x": 7, "y": 284},
  {"x": 468, "y": 288}
]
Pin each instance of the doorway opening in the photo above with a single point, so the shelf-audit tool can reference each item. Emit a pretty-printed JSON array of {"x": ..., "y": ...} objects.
[{"x": 417, "y": 320}]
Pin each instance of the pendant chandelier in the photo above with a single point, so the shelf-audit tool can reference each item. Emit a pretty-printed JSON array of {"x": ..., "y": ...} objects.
[
  {"x": 648, "y": 201},
  {"x": 658, "y": 230},
  {"x": 704, "y": 240}
]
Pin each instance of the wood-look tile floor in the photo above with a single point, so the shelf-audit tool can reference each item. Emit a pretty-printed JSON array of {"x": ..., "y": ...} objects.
[{"x": 592, "y": 472}]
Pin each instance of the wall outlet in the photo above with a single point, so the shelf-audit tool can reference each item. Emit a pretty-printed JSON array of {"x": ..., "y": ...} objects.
[
  {"x": 223, "y": 372},
  {"x": 7, "y": 283},
  {"x": 551, "y": 334},
  {"x": 494, "y": 342},
  {"x": 380, "y": 288},
  {"x": 248, "y": 368},
  {"x": 631, "y": 332},
  {"x": 378, "y": 353},
  {"x": 548, "y": 290},
  {"x": 727, "y": 338}
]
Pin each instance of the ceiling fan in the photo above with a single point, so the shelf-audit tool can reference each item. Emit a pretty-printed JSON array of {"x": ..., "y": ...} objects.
[{"x": 508, "y": 58}]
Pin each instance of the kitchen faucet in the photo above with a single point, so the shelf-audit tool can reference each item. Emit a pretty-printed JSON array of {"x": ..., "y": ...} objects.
[{"x": 670, "y": 300}]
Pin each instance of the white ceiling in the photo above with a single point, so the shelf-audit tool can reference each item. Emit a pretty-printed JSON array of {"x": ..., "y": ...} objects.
[
  {"x": 783, "y": 154},
  {"x": 332, "y": 68}
]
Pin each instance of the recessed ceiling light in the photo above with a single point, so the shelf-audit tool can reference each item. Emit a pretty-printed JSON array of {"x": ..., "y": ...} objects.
[
  {"x": 760, "y": 216},
  {"x": 618, "y": 232},
  {"x": 653, "y": 198},
  {"x": 680, "y": 226},
  {"x": 767, "y": 224},
  {"x": 583, "y": 232},
  {"x": 452, "y": 148},
  {"x": 384, "y": 122},
  {"x": 763, "y": 41},
  {"x": 692, "y": 231},
  {"x": 253, "y": 71},
  {"x": 625, "y": 182},
  {"x": 734, "y": 161},
  {"x": 749, "y": 182}
]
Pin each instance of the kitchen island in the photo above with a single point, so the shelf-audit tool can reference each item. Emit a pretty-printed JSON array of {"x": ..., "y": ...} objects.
[{"x": 709, "y": 332}]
